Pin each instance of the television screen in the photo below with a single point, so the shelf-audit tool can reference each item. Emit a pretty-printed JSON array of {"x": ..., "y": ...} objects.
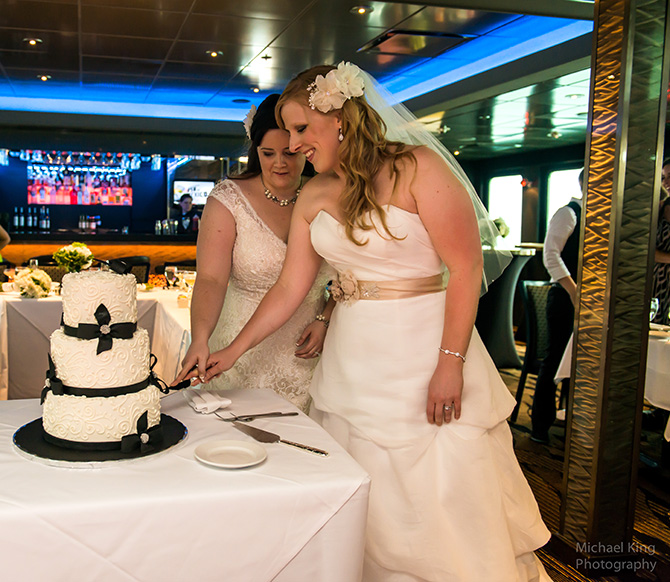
[
  {"x": 197, "y": 189},
  {"x": 79, "y": 185}
]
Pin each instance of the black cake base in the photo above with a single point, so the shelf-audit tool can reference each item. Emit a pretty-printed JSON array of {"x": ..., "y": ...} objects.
[{"x": 30, "y": 439}]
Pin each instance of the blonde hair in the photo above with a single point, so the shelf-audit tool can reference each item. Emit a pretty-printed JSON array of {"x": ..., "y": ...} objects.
[{"x": 363, "y": 152}]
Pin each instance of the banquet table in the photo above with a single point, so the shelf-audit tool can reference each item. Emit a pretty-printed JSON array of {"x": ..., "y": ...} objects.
[
  {"x": 26, "y": 325},
  {"x": 657, "y": 377},
  {"x": 296, "y": 517}
]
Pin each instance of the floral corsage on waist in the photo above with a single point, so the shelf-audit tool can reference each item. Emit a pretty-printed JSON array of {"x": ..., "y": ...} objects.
[{"x": 346, "y": 289}]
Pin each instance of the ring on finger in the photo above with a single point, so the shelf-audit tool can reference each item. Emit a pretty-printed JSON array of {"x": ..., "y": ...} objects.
[{"x": 447, "y": 407}]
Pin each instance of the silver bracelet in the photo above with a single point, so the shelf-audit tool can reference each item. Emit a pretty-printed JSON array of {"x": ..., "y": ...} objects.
[
  {"x": 450, "y": 353},
  {"x": 322, "y": 319}
]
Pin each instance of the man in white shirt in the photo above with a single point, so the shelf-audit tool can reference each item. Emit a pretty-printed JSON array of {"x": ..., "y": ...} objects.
[{"x": 561, "y": 259}]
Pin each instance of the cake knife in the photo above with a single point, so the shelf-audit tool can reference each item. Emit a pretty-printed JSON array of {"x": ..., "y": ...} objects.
[{"x": 264, "y": 436}]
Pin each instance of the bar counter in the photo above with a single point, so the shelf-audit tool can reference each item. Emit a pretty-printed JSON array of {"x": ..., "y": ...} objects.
[{"x": 104, "y": 245}]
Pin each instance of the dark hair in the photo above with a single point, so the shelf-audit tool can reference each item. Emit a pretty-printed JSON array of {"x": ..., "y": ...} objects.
[
  {"x": 264, "y": 120},
  {"x": 184, "y": 197},
  {"x": 666, "y": 162}
]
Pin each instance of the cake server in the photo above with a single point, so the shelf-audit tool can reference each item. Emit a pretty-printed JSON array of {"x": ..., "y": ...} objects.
[
  {"x": 264, "y": 436},
  {"x": 248, "y": 417}
]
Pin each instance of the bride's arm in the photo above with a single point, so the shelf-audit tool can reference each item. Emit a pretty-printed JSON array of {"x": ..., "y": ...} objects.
[
  {"x": 447, "y": 213},
  {"x": 300, "y": 269}
]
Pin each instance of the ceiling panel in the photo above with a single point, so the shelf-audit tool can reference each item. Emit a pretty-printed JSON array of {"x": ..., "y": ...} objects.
[{"x": 154, "y": 51}]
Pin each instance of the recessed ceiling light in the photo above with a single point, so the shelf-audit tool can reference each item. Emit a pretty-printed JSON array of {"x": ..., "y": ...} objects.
[
  {"x": 214, "y": 54},
  {"x": 255, "y": 89},
  {"x": 32, "y": 40},
  {"x": 575, "y": 96},
  {"x": 240, "y": 100},
  {"x": 44, "y": 77},
  {"x": 362, "y": 9},
  {"x": 457, "y": 152},
  {"x": 555, "y": 134}
]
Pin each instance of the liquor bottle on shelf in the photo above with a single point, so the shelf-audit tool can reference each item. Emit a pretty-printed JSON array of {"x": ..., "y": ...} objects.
[
  {"x": 22, "y": 220},
  {"x": 29, "y": 220},
  {"x": 47, "y": 220},
  {"x": 15, "y": 219},
  {"x": 195, "y": 223}
]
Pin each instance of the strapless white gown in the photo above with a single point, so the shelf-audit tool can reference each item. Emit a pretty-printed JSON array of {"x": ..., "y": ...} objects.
[
  {"x": 447, "y": 503},
  {"x": 258, "y": 257}
]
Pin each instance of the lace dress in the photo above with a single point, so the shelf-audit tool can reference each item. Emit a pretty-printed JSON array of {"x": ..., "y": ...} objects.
[
  {"x": 258, "y": 256},
  {"x": 447, "y": 503}
]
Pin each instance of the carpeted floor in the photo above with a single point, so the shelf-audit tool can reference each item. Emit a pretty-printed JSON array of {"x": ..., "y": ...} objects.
[{"x": 543, "y": 467}]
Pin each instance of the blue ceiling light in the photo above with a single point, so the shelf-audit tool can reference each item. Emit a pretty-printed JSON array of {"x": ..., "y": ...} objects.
[{"x": 521, "y": 37}]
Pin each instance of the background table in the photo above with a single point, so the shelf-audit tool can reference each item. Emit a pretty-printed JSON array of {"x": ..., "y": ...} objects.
[
  {"x": 27, "y": 324},
  {"x": 657, "y": 377},
  {"x": 297, "y": 517}
]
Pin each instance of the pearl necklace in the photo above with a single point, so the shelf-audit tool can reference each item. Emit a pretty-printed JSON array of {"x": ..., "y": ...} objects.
[{"x": 270, "y": 196}]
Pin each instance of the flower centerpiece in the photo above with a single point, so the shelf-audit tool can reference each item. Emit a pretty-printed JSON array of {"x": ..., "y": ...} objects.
[
  {"x": 502, "y": 227},
  {"x": 33, "y": 283},
  {"x": 74, "y": 257}
]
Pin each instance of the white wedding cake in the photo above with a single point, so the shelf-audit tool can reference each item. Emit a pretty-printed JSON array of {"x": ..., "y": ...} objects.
[{"x": 100, "y": 393}]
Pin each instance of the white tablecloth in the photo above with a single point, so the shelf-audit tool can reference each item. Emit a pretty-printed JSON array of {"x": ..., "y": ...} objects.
[
  {"x": 297, "y": 517},
  {"x": 657, "y": 377},
  {"x": 27, "y": 324}
]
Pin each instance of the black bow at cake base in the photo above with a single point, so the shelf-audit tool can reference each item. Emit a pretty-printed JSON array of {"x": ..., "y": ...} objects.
[
  {"x": 145, "y": 439},
  {"x": 102, "y": 331}
]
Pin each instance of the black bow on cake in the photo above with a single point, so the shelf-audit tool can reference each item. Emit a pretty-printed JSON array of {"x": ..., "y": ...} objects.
[
  {"x": 116, "y": 265},
  {"x": 103, "y": 331},
  {"x": 145, "y": 438},
  {"x": 52, "y": 382}
]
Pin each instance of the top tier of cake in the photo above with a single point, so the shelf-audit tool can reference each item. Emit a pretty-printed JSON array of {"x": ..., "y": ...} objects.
[{"x": 83, "y": 292}]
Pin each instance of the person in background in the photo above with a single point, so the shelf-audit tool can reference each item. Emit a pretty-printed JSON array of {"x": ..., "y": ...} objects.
[
  {"x": 240, "y": 253},
  {"x": 661, "y": 278},
  {"x": 405, "y": 383},
  {"x": 561, "y": 258},
  {"x": 186, "y": 214},
  {"x": 665, "y": 174}
]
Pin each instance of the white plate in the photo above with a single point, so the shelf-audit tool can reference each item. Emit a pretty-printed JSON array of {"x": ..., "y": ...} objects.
[{"x": 230, "y": 454}]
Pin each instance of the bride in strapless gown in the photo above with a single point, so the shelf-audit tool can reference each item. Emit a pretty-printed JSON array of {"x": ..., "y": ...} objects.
[
  {"x": 460, "y": 481},
  {"x": 404, "y": 383}
]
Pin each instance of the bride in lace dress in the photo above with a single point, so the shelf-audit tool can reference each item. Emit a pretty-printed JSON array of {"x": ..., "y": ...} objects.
[
  {"x": 241, "y": 249},
  {"x": 405, "y": 383}
]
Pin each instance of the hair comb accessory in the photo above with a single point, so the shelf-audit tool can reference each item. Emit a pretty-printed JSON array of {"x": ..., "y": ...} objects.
[
  {"x": 248, "y": 120},
  {"x": 331, "y": 92}
]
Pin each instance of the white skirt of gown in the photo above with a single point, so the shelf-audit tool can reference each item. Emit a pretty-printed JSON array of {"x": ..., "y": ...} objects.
[{"x": 447, "y": 504}]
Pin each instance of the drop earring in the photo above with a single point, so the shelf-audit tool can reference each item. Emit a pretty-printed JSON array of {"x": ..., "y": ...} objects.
[{"x": 341, "y": 136}]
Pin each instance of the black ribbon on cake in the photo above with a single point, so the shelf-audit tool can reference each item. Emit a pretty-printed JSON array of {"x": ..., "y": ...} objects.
[
  {"x": 116, "y": 265},
  {"x": 145, "y": 439},
  {"x": 102, "y": 331},
  {"x": 55, "y": 385}
]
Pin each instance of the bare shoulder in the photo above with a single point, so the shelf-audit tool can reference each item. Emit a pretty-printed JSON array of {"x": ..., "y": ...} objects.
[{"x": 320, "y": 193}]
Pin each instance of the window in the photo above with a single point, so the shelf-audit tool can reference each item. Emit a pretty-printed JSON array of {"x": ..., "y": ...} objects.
[
  {"x": 505, "y": 201},
  {"x": 562, "y": 186}
]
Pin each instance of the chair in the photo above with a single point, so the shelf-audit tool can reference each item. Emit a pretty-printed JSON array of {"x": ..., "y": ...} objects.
[
  {"x": 534, "y": 295},
  {"x": 56, "y": 272},
  {"x": 140, "y": 266}
]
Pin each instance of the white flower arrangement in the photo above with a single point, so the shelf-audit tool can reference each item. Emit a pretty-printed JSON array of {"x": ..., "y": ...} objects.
[
  {"x": 339, "y": 85},
  {"x": 33, "y": 283},
  {"x": 248, "y": 120},
  {"x": 74, "y": 257}
]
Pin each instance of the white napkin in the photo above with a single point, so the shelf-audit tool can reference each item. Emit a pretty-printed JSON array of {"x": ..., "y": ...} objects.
[{"x": 205, "y": 401}]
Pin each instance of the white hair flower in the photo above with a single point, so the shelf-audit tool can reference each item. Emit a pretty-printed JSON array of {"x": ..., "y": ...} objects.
[
  {"x": 350, "y": 80},
  {"x": 248, "y": 120},
  {"x": 330, "y": 92}
]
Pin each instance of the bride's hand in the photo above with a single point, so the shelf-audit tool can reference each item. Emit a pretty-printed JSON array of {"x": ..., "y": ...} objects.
[
  {"x": 218, "y": 363},
  {"x": 194, "y": 361},
  {"x": 445, "y": 389},
  {"x": 310, "y": 343}
]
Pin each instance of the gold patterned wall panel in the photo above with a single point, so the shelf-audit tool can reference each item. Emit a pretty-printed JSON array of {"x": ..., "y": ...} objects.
[{"x": 612, "y": 317}]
